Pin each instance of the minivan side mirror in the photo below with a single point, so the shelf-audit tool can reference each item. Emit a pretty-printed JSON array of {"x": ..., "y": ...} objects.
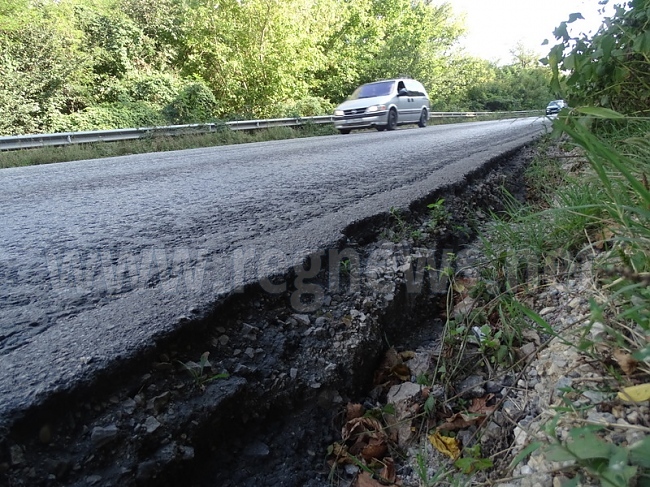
[{"x": 402, "y": 92}]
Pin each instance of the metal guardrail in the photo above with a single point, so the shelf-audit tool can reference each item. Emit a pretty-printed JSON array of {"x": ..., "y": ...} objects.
[{"x": 66, "y": 138}]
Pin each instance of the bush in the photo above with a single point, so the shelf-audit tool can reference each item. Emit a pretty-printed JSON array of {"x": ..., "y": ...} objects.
[
  {"x": 152, "y": 87},
  {"x": 610, "y": 70},
  {"x": 109, "y": 116},
  {"x": 195, "y": 103},
  {"x": 310, "y": 106}
]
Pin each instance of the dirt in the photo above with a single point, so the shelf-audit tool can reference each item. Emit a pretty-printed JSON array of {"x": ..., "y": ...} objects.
[{"x": 255, "y": 395}]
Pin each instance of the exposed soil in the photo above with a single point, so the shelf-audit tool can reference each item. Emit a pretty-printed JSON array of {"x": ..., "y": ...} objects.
[{"x": 254, "y": 395}]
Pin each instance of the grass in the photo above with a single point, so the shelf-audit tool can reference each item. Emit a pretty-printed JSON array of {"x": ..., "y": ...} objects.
[
  {"x": 588, "y": 205},
  {"x": 603, "y": 211},
  {"x": 78, "y": 152}
]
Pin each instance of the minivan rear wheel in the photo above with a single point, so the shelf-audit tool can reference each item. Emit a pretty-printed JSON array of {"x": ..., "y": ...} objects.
[
  {"x": 344, "y": 131},
  {"x": 424, "y": 118},
  {"x": 392, "y": 119}
]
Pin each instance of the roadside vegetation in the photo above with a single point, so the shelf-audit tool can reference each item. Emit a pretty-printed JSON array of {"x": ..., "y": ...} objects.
[
  {"x": 157, "y": 63},
  {"x": 78, "y": 65},
  {"x": 222, "y": 135},
  {"x": 587, "y": 207},
  {"x": 225, "y": 136}
]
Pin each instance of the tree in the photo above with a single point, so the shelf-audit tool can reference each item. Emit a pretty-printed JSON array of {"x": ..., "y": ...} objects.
[
  {"x": 612, "y": 69},
  {"x": 42, "y": 66},
  {"x": 524, "y": 57}
]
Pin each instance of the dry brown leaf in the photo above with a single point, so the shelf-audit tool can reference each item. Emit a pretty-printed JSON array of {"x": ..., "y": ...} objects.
[
  {"x": 353, "y": 411},
  {"x": 390, "y": 360},
  {"x": 375, "y": 448},
  {"x": 360, "y": 426},
  {"x": 392, "y": 369},
  {"x": 339, "y": 455},
  {"x": 407, "y": 355},
  {"x": 531, "y": 336},
  {"x": 399, "y": 431},
  {"x": 365, "y": 437},
  {"x": 364, "y": 479},
  {"x": 459, "y": 421},
  {"x": 388, "y": 472},
  {"x": 601, "y": 237},
  {"x": 479, "y": 405},
  {"x": 626, "y": 362},
  {"x": 463, "y": 285},
  {"x": 401, "y": 371},
  {"x": 445, "y": 445}
]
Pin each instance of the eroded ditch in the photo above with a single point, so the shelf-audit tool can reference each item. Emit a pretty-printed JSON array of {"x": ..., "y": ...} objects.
[{"x": 250, "y": 396}]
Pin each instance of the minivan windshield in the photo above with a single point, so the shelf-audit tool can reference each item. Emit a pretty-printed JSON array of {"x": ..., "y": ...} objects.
[{"x": 382, "y": 88}]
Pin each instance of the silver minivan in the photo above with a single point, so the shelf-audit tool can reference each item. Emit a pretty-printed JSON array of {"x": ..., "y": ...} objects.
[{"x": 384, "y": 105}]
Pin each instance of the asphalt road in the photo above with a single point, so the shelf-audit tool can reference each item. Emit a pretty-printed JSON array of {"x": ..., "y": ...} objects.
[{"x": 97, "y": 258}]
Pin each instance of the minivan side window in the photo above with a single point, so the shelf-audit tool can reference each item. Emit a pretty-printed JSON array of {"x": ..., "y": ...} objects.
[{"x": 415, "y": 88}]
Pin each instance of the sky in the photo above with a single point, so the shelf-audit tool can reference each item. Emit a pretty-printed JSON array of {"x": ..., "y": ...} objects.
[{"x": 496, "y": 26}]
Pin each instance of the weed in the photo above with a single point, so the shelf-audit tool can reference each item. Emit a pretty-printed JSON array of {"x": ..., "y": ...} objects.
[
  {"x": 605, "y": 212},
  {"x": 199, "y": 371},
  {"x": 427, "y": 479},
  {"x": 345, "y": 266},
  {"x": 401, "y": 229},
  {"x": 613, "y": 465},
  {"x": 438, "y": 214},
  {"x": 417, "y": 236},
  {"x": 472, "y": 461}
]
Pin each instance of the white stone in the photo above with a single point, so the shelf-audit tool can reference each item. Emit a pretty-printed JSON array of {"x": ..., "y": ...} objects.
[
  {"x": 547, "y": 310},
  {"x": 402, "y": 392},
  {"x": 520, "y": 437}
]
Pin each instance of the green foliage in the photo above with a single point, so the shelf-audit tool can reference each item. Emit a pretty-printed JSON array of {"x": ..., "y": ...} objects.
[
  {"x": 191, "y": 140},
  {"x": 309, "y": 106},
  {"x": 401, "y": 228},
  {"x": 610, "y": 70},
  {"x": 438, "y": 214},
  {"x": 605, "y": 213},
  {"x": 109, "y": 116},
  {"x": 473, "y": 461},
  {"x": 153, "y": 87},
  {"x": 258, "y": 58},
  {"x": 194, "y": 103},
  {"x": 512, "y": 88},
  {"x": 201, "y": 372},
  {"x": 161, "y": 22},
  {"x": 613, "y": 465},
  {"x": 372, "y": 40},
  {"x": 621, "y": 168},
  {"x": 118, "y": 44},
  {"x": 42, "y": 70}
]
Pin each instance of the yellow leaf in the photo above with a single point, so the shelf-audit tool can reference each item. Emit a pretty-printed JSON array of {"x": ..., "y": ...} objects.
[
  {"x": 638, "y": 393},
  {"x": 444, "y": 444}
]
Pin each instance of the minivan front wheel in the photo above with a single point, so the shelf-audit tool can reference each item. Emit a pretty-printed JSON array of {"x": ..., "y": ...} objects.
[
  {"x": 424, "y": 118},
  {"x": 392, "y": 119}
]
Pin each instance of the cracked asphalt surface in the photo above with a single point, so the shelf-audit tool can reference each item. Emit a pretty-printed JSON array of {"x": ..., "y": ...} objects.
[{"x": 100, "y": 258}]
